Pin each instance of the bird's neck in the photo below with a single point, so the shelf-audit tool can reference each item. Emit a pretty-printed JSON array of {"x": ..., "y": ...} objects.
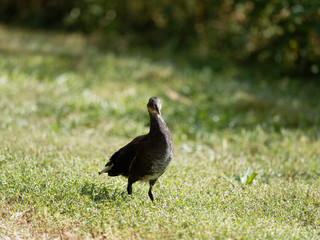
[
  {"x": 159, "y": 131},
  {"x": 157, "y": 124}
]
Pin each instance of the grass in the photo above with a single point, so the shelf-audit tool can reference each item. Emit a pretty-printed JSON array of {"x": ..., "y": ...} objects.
[{"x": 66, "y": 107}]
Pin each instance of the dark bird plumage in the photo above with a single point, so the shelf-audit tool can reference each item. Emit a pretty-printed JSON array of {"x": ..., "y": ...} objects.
[{"x": 146, "y": 157}]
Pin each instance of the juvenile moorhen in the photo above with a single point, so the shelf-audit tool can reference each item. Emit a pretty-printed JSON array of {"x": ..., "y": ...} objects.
[{"x": 146, "y": 157}]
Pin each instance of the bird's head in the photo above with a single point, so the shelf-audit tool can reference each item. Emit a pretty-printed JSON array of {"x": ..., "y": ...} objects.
[{"x": 154, "y": 106}]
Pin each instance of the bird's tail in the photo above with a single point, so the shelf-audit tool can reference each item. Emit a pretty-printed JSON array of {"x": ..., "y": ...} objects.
[{"x": 106, "y": 168}]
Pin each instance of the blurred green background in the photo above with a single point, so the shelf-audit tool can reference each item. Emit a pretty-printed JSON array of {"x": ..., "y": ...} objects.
[
  {"x": 239, "y": 82},
  {"x": 278, "y": 35}
]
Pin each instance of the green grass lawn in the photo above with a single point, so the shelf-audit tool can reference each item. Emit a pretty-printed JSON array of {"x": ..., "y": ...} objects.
[{"x": 66, "y": 107}]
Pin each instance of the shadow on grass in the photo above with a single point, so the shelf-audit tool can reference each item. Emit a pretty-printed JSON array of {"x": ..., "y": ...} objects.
[{"x": 99, "y": 193}]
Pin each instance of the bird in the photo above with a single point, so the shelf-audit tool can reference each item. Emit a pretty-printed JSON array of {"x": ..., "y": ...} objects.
[{"x": 146, "y": 157}]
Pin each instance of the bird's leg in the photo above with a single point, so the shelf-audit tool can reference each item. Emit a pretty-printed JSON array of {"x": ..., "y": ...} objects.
[
  {"x": 152, "y": 182},
  {"x": 129, "y": 188}
]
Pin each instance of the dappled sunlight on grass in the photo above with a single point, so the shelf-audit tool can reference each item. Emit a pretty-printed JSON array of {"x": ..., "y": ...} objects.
[{"x": 66, "y": 107}]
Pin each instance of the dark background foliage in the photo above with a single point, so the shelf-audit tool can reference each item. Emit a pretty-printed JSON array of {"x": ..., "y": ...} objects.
[{"x": 285, "y": 34}]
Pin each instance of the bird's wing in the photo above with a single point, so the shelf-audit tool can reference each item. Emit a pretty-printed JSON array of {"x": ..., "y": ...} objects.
[
  {"x": 131, "y": 147},
  {"x": 122, "y": 159}
]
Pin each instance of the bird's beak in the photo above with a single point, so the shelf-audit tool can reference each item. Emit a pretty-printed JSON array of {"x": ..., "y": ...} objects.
[
  {"x": 158, "y": 110},
  {"x": 105, "y": 169}
]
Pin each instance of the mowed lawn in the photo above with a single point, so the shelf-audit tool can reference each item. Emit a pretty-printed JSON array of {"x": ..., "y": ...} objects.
[{"x": 247, "y": 149}]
